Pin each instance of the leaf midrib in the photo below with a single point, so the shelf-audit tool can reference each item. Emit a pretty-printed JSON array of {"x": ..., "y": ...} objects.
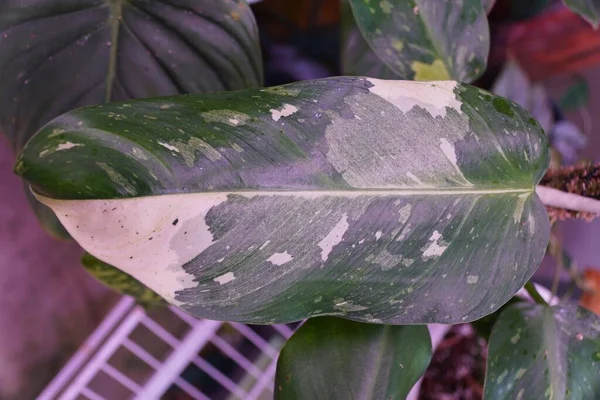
[
  {"x": 378, "y": 360},
  {"x": 349, "y": 193},
  {"x": 554, "y": 359},
  {"x": 116, "y": 12}
]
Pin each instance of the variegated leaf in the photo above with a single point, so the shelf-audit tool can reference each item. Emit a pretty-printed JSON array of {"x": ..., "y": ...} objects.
[
  {"x": 427, "y": 39},
  {"x": 383, "y": 201},
  {"x": 540, "y": 352}
]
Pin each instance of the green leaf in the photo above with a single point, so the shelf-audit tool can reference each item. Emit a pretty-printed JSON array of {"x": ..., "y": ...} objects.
[
  {"x": 331, "y": 358},
  {"x": 539, "y": 352},
  {"x": 121, "y": 282},
  {"x": 576, "y": 96},
  {"x": 386, "y": 201},
  {"x": 425, "y": 40},
  {"x": 588, "y": 9},
  {"x": 514, "y": 84},
  {"x": 46, "y": 217},
  {"x": 357, "y": 57},
  {"x": 57, "y": 55},
  {"x": 485, "y": 325}
]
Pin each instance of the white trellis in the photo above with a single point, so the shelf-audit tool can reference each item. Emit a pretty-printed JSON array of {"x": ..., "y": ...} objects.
[{"x": 91, "y": 373}]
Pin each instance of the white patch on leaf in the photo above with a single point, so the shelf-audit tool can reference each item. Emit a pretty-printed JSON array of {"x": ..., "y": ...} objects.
[
  {"x": 280, "y": 258},
  {"x": 168, "y": 146},
  {"x": 435, "y": 249},
  {"x": 225, "y": 278},
  {"x": 520, "y": 207},
  {"x": 405, "y": 95},
  {"x": 285, "y": 111},
  {"x": 118, "y": 232},
  {"x": 67, "y": 146},
  {"x": 333, "y": 237}
]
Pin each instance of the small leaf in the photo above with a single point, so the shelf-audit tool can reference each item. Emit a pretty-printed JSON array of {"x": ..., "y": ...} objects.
[
  {"x": 121, "y": 282},
  {"x": 331, "y": 358},
  {"x": 540, "y": 352},
  {"x": 392, "y": 201},
  {"x": 576, "y": 96},
  {"x": 426, "y": 40},
  {"x": 588, "y": 9}
]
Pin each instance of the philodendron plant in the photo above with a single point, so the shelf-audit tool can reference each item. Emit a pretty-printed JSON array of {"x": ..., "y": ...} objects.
[{"x": 377, "y": 206}]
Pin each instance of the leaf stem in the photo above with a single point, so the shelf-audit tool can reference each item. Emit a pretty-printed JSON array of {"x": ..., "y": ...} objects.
[
  {"x": 530, "y": 288},
  {"x": 568, "y": 201},
  {"x": 116, "y": 13}
]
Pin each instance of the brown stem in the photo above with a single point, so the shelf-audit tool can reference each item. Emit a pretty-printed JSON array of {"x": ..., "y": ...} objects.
[{"x": 581, "y": 179}]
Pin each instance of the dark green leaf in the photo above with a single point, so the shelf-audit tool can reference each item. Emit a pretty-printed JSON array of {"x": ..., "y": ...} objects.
[
  {"x": 540, "y": 352},
  {"x": 331, "y": 358},
  {"x": 357, "y": 57},
  {"x": 576, "y": 97},
  {"x": 514, "y": 84},
  {"x": 121, "y": 282},
  {"x": 427, "y": 39},
  {"x": 57, "y": 55},
  {"x": 485, "y": 325},
  {"x": 46, "y": 217},
  {"x": 588, "y": 9},
  {"x": 386, "y": 201}
]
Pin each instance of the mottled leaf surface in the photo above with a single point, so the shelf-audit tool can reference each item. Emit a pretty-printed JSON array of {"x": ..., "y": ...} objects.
[
  {"x": 540, "y": 352},
  {"x": 588, "y": 9},
  {"x": 385, "y": 201},
  {"x": 427, "y": 39},
  {"x": 331, "y": 358}
]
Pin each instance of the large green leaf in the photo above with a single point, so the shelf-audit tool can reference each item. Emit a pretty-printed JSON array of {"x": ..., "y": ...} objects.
[
  {"x": 427, "y": 39},
  {"x": 57, "y": 55},
  {"x": 588, "y": 9},
  {"x": 331, "y": 358},
  {"x": 386, "y": 201},
  {"x": 539, "y": 352},
  {"x": 61, "y": 54}
]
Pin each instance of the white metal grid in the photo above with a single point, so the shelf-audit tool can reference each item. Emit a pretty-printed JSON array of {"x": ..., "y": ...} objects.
[{"x": 204, "y": 360}]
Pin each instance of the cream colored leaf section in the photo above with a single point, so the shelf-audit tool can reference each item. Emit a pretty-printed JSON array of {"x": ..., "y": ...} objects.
[
  {"x": 150, "y": 238},
  {"x": 434, "y": 97}
]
